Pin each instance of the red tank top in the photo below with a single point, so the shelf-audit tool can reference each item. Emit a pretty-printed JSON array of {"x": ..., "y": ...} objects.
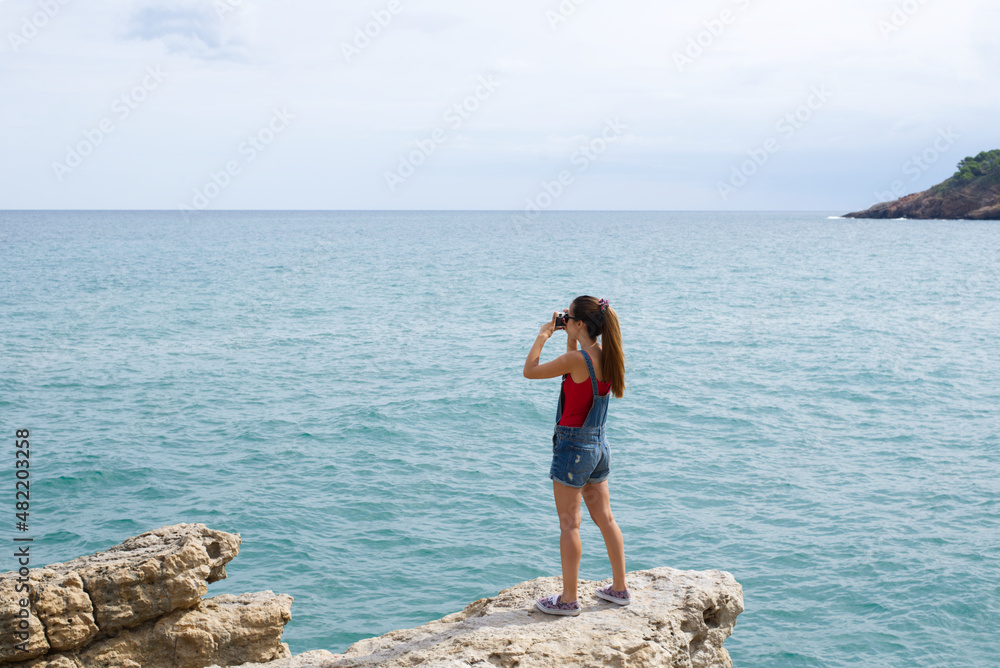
[{"x": 578, "y": 400}]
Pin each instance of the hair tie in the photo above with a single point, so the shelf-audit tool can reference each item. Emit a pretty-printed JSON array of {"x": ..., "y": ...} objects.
[{"x": 604, "y": 304}]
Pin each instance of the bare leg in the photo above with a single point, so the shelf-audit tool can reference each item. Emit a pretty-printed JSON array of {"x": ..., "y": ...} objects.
[
  {"x": 568, "y": 507},
  {"x": 598, "y": 499}
]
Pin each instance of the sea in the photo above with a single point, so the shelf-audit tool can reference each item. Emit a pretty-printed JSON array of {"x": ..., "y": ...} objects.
[{"x": 811, "y": 405}]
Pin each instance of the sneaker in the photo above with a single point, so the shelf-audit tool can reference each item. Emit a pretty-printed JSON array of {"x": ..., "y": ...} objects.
[
  {"x": 620, "y": 597},
  {"x": 553, "y": 606}
]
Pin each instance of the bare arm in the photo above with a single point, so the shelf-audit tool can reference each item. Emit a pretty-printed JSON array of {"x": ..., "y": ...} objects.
[
  {"x": 557, "y": 367},
  {"x": 534, "y": 354}
]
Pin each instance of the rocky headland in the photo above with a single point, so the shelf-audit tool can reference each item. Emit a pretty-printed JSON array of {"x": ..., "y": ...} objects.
[
  {"x": 139, "y": 605},
  {"x": 972, "y": 193}
]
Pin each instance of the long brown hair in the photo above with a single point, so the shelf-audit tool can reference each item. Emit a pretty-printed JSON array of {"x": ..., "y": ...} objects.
[{"x": 605, "y": 324}]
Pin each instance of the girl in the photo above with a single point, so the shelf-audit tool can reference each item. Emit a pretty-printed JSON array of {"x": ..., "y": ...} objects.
[{"x": 581, "y": 457}]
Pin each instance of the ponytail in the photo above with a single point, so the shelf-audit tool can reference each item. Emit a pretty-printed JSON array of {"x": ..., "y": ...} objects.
[
  {"x": 612, "y": 355},
  {"x": 605, "y": 324}
]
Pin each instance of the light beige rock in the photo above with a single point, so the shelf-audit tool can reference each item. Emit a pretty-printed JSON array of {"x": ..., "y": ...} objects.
[
  {"x": 80, "y": 601},
  {"x": 224, "y": 629},
  {"x": 311, "y": 659},
  {"x": 64, "y": 609},
  {"x": 139, "y": 605},
  {"x": 677, "y": 619},
  {"x": 153, "y": 573},
  {"x": 36, "y": 643}
]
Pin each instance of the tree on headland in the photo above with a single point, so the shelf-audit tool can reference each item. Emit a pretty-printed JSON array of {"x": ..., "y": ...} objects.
[{"x": 986, "y": 164}]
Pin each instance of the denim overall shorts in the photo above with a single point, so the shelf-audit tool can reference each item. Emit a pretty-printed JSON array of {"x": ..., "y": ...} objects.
[{"x": 582, "y": 454}]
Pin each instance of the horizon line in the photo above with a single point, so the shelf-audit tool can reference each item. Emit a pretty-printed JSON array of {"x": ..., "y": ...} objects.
[{"x": 197, "y": 211}]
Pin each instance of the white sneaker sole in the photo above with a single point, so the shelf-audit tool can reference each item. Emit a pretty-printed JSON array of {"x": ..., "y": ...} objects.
[
  {"x": 613, "y": 599},
  {"x": 548, "y": 611}
]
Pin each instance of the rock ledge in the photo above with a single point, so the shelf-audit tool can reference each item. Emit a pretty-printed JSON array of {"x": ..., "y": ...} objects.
[
  {"x": 139, "y": 605},
  {"x": 677, "y": 619}
]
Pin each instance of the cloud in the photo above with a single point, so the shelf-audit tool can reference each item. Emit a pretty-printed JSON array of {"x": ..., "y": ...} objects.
[
  {"x": 911, "y": 124},
  {"x": 219, "y": 30},
  {"x": 230, "y": 61}
]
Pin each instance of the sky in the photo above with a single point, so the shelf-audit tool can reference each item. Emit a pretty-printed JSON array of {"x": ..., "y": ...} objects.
[{"x": 515, "y": 105}]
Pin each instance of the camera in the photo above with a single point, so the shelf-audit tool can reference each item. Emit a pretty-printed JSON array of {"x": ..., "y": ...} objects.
[{"x": 561, "y": 319}]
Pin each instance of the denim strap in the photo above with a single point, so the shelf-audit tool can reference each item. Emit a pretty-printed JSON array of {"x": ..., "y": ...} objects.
[{"x": 590, "y": 370}]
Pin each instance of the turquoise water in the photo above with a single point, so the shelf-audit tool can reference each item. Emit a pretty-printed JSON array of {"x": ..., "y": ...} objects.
[{"x": 812, "y": 406}]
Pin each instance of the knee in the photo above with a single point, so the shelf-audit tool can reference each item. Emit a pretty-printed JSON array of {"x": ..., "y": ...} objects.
[
  {"x": 603, "y": 520},
  {"x": 569, "y": 522}
]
